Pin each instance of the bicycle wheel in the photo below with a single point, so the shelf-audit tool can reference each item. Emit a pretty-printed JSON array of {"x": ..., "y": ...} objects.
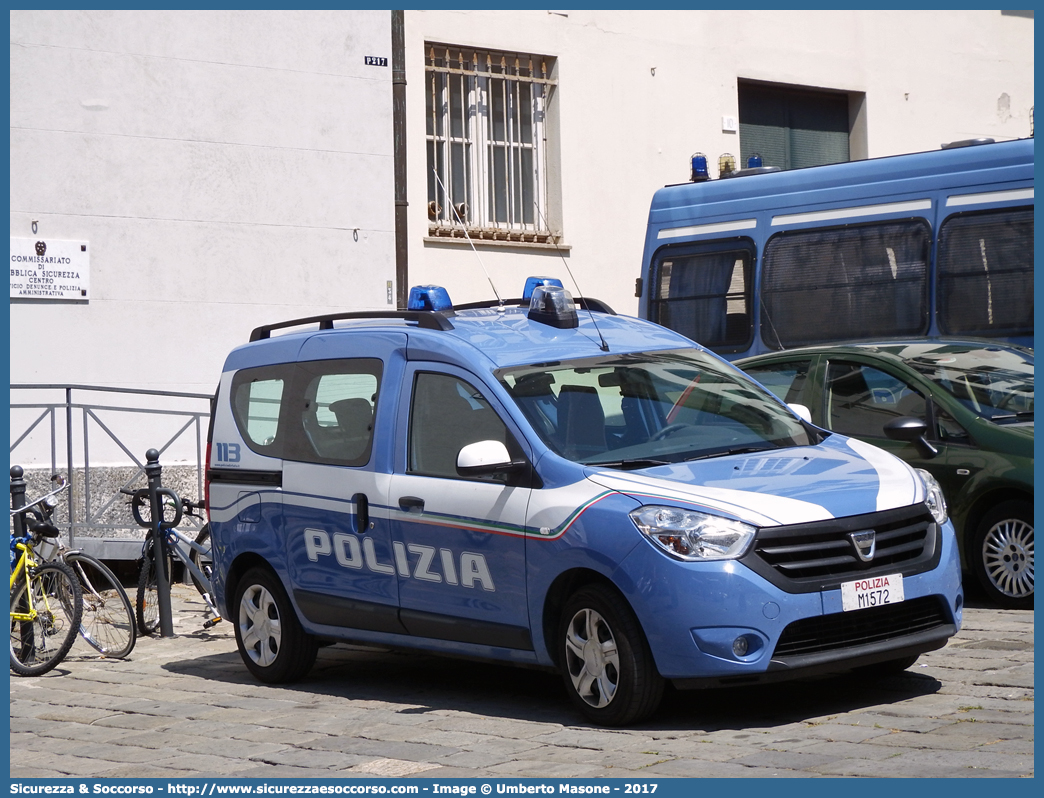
[
  {"x": 108, "y": 618},
  {"x": 203, "y": 561},
  {"x": 37, "y": 645},
  {"x": 146, "y": 604}
]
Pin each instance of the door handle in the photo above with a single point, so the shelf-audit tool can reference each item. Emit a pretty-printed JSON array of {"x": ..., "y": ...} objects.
[
  {"x": 411, "y": 504},
  {"x": 362, "y": 512}
]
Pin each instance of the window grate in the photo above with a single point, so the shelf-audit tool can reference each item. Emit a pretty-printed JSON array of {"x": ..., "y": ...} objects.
[{"x": 486, "y": 144}]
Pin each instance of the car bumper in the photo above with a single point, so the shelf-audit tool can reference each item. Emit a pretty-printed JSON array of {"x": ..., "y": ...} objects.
[{"x": 694, "y": 614}]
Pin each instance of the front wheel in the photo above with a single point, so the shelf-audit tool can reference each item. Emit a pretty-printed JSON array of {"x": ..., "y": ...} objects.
[
  {"x": 108, "y": 618},
  {"x": 606, "y": 663},
  {"x": 273, "y": 644},
  {"x": 45, "y": 617},
  {"x": 1001, "y": 554}
]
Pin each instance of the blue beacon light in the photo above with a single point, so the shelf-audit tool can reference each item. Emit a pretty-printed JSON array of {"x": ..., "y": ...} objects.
[
  {"x": 699, "y": 168},
  {"x": 429, "y": 297},
  {"x": 533, "y": 282}
]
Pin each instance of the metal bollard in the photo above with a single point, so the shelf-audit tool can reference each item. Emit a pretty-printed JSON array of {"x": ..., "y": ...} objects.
[{"x": 153, "y": 470}]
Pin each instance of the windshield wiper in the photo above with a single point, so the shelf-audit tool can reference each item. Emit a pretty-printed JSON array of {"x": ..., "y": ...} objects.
[
  {"x": 1006, "y": 416},
  {"x": 734, "y": 450},
  {"x": 627, "y": 465}
]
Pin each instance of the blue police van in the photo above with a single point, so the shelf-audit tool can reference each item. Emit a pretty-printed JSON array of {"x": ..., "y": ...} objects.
[
  {"x": 540, "y": 481},
  {"x": 922, "y": 245}
]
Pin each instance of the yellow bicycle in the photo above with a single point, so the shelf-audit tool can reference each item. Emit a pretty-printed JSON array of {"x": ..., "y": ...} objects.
[{"x": 46, "y": 600}]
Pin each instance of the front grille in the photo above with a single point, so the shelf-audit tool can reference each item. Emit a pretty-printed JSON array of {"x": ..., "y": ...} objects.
[
  {"x": 803, "y": 558},
  {"x": 860, "y": 627}
]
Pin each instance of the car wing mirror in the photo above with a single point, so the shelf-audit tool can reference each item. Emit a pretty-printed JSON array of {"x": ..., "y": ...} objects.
[
  {"x": 486, "y": 457},
  {"x": 911, "y": 430}
]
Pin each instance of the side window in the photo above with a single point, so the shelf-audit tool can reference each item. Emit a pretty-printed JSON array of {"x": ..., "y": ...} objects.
[
  {"x": 862, "y": 399},
  {"x": 446, "y": 415},
  {"x": 947, "y": 427},
  {"x": 859, "y": 281},
  {"x": 985, "y": 263},
  {"x": 703, "y": 291},
  {"x": 785, "y": 380},
  {"x": 257, "y": 397},
  {"x": 332, "y": 412}
]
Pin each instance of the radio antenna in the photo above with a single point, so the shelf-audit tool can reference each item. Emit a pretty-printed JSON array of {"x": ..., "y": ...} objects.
[
  {"x": 465, "y": 229},
  {"x": 602, "y": 343}
]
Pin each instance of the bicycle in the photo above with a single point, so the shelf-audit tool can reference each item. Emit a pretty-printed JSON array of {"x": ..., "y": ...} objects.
[
  {"x": 108, "y": 618},
  {"x": 107, "y": 624},
  {"x": 46, "y": 600},
  {"x": 193, "y": 554}
]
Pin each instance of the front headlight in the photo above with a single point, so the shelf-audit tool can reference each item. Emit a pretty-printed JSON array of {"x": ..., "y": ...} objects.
[
  {"x": 933, "y": 496},
  {"x": 692, "y": 536}
]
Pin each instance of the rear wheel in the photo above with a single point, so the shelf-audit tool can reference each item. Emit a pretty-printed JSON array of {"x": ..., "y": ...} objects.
[
  {"x": 1001, "y": 554},
  {"x": 108, "y": 622},
  {"x": 606, "y": 663},
  {"x": 272, "y": 642},
  {"x": 39, "y": 643}
]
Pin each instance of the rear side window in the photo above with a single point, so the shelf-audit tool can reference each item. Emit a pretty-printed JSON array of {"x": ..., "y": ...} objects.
[
  {"x": 257, "y": 397},
  {"x": 703, "y": 291},
  {"x": 985, "y": 265},
  {"x": 331, "y": 411},
  {"x": 860, "y": 281}
]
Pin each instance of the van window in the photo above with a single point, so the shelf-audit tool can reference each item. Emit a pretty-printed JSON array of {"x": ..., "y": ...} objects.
[
  {"x": 985, "y": 266},
  {"x": 704, "y": 292},
  {"x": 334, "y": 402},
  {"x": 257, "y": 396},
  {"x": 859, "y": 281},
  {"x": 447, "y": 414}
]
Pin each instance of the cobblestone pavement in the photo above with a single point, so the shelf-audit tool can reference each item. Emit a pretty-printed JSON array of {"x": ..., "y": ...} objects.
[{"x": 186, "y": 707}]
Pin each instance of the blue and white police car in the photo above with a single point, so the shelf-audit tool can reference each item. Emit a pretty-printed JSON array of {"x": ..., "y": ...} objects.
[{"x": 541, "y": 481}]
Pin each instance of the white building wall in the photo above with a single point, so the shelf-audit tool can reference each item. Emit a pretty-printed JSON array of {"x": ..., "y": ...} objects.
[
  {"x": 228, "y": 169},
  {"x": 640, "y": 92}
]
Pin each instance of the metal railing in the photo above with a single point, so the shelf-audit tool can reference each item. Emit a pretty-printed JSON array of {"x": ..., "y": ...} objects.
[{"x": 94, "y": 499}]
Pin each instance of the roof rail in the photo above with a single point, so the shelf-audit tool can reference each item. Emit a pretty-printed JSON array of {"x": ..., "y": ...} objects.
[
  {"x": 429, "y": 319},
  {"x": 585, "y": 303}
]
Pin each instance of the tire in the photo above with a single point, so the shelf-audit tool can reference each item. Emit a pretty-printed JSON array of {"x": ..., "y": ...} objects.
[
  {"x": 204, "y": 562},
  {"x": 146, "y": 602},
  {"x": 605, "y": 660},
  {"x": 1001, "y": 554},
  {"x": 108, "y": 622},
  {"x": 271, "y": 640},
  {"x": 40, "y": 644}
]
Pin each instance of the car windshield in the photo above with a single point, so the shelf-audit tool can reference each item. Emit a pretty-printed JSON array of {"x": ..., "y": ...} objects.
[
  {"x": 638, "y": 410},
  {"x": 993, "y": 381}
]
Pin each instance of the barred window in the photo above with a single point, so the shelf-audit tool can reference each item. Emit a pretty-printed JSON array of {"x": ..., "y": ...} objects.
[
  {"x": 838, "y": 283},
  {"x": 703, "y": 291},
  {"x": 985, "y": 265},
  {"x": 487, "y": 143}
]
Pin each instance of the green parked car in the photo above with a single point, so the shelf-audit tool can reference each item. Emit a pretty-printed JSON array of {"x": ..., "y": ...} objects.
[{"x": 962, "y": 410}]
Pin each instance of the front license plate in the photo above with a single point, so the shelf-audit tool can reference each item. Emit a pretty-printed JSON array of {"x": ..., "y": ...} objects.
[{"x": 874, "y": 591}]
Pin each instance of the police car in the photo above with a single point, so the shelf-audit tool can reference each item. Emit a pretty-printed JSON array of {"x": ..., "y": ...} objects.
[{"x": 543, "y": 482}]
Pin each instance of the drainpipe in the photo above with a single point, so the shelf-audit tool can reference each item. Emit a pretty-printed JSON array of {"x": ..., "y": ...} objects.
[{"x": 398, "y": 35}]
